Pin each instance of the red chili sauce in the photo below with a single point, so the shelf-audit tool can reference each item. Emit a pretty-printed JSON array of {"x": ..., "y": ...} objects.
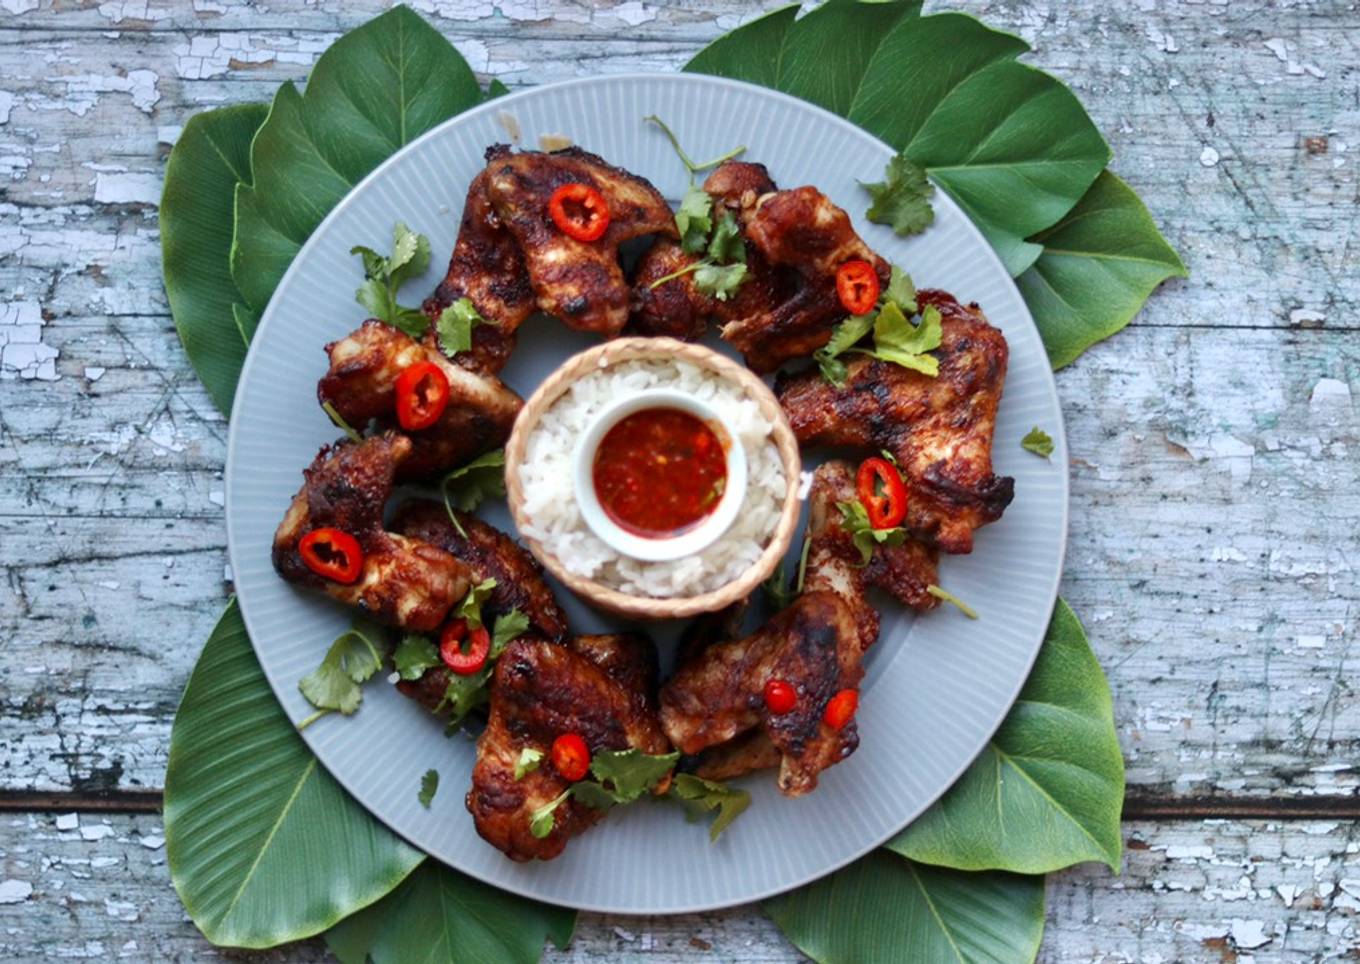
[{"x": 659, "y": 472}]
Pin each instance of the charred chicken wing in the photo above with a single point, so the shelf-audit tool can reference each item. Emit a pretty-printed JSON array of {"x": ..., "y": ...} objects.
[
  {"x": 580, "y": 282},
  {"x": 361, "y": 385},
  {"x": 596, "y": 686},
  {"x": 404, "y": 581},
  {"x": 939, "y": 429}
]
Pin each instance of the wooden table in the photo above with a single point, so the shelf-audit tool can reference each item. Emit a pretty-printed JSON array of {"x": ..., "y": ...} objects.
[{"x": 1215, "y": 474}]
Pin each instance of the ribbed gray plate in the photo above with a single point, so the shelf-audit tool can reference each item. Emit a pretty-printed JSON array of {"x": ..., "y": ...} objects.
[{"x": 937, "y": 686}]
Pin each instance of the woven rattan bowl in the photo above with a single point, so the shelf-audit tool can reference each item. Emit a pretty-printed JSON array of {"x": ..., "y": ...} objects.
[{"x": 635, "y": 349}]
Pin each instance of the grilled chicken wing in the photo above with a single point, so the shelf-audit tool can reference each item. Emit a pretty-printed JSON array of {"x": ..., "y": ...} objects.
[
  {"x": 939, "y": 429},
  {"x": 677, "y": 307},
  {"x": 803, "y": 235},
  {"x": 487, "y": 267},
  {"x": 405, "y": 581},
  {"x": 834, "y": 563},
  {"x": 596, "y": 686},
  {"x": 361, "y": 385},
  {"x": 579, "y": 282}
]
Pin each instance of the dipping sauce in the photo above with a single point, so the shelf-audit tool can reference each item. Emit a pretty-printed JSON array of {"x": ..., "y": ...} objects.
[{"x": 659, "y": 472}]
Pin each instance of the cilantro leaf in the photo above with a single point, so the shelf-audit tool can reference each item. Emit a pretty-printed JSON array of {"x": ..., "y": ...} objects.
[
  {"x": 901, "y": 290},
  {"x": 719, "y": 281},
  {"x": 529, "y": 759},
  {"x": 471, "y": 606},
  {"x": 1036, "y": 440},
  {"x": 902, "y": 199},
  {"x": 594, "y": 795},
  {"x": 693, "y": 219},
  {"x": 429, "y": 786},
  {"x": 463, "y": 694},
  {"x": 467, "y": 486},
  {"x": 949, "y": 597},
  {"x": 352, "y": 659},
  {"x": 383, "y": 276},
  {"x": 701, "y": 795},
  {"x": 726, "y": 247},
  {"x": 843, "y": 337},
  {"x": 541, "y": 820},
  {"x": 454, "y": 326},
  {"x": 865, "y": 537},
  {"x": 414, "y": 655},
  {"x": 898, "y": 341},
  {"x": 631, "y": 773},
  {"x": 509, "y": 627}
]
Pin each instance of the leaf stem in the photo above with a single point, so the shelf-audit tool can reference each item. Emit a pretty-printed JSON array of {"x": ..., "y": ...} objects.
[
  {"x": 311, "y": 719},
  {"x": 340, "y": 423},
  {"x": 695, "y": 266},
  {"x": 685, "y": 159}
]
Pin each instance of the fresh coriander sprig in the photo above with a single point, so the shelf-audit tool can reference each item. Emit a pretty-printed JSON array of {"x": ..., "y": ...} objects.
[
  {"x": 621, "y": 776},
  {"x": 902, "y": 198},
  {"x": 463, "y": 694},
  {"x": 350, "y": 661},
  {"x": 429, "y": 786},
  {"x": 700, "y": 795},
  {"x": 1038, "y": 441},
  {"x": 384, "y": 275},
  {"x": 690, "y": 165},
  {"x": 896, "y": 338},
  {"x": 467, "y": 486}
]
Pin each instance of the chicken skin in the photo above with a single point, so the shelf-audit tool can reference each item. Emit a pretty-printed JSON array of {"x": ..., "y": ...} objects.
[
  {"x": 580, "y": 282},
  {"x": 487, "y": 267},
  {"x": 596, "y": 686},
  {"x": 939, "y": 429},
  {"x": 404, "y": 581},
  {"x": 361, "y": 385}
]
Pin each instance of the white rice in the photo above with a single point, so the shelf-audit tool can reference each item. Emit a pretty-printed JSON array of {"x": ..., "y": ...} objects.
[{"x": 553, "y": 515}]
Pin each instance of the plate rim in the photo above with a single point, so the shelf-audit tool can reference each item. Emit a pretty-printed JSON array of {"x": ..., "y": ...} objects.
[{"x": 500, "y": 103}]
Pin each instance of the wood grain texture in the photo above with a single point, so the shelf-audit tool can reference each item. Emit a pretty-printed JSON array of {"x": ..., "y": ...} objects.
[{"x": 1216, "y": 483}]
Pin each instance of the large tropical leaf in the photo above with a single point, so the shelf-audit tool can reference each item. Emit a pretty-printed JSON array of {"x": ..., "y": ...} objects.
[
  {"x": 264, "y": 846},
  {"x": 376, "y": 89},
  {"x": 885, "y": 908},
  {"x": 210, "y": 158},
  {"x": 1099, "y": 265},
  {"x": 439, "y": 916},
  {"x": 1011, "y": 144},
  {"x": 1047, "y": 791}
]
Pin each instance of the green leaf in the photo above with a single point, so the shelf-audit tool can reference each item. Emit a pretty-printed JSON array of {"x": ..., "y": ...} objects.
[
  {"x": 529, "y": 759},
  {"x": 352, "y": 659},
  {"x": 210, "y": 158},
  {"x": 471, "y": 606},
  {"x": 1011, "y": 144},
  {"x": 855, "y": 519},
  {"x": 693, "y": 219},
  {"x": 1038, "y": 441},
  {"x": 509, "y": 627},
  {"x": 898, "y": 341},
  {"x": 454, "y": 326},
  {"x": 701, "y": 794},
  {"x": 727, "y": 246},
  {"x": 886, "y": 909},
  {"x": 1098, "y": 266},
  {"x": 439, "y": 916},
  {"x": 467, "y": 486},
  {"x": 901, "y": 291},
  {"x": 235, "y": 856},
  {"x": 541, "y": 820},
  {"x": 413, "y": 656},
  {"x": 820, "y": 57},
  {"x": 465, "y": 694},
  {"x": 719, "y": 281},
  {"x": 429, "y": 786},
  {"x": 384, "y": 277},
  {"x": 631, "y": 773},
  {"x": 376, "y": 89},
  {"x": 902, "y": 199},
  {"x": 1047, "y": 791}
]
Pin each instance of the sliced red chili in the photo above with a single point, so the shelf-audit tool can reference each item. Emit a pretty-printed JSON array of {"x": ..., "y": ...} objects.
[
  {"x": 579, "y": 211},
  {"x": 464, "y": 659},
  {"x": 422, "y": 395},
  {"x": 570, "y": 756},
  {"x": 780, "y": 697},
  {"x": 841, "y": 709},
  {"x": 857, "y": 286},
  {"x": 332, "y": 554},
  {"x": 888, "y": 507}
]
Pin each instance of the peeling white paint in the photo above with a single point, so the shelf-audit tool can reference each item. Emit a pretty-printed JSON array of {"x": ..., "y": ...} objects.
[
  {"x": 6, "y": 105},
  {"x": 83, "y": 90},
  {"x": 15, "y": 891},
  {"x": 98, "y": 832},
  {"x": 1208, "y": 157},
  {"x": 23, "y": 354},
  {"x": 1249, "y": 934},
  {"x": 135, "y": 187},
  {"x": 19, "y": 6},
  {"x": 68, "y": 821}
]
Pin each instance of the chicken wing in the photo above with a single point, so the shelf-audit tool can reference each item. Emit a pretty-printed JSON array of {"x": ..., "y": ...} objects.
[
  {"x": 598, "y": 687},
  {"x": 939, "y": 429},
  {"x": 834, "y": 563},
  {"x": 677, "y": 307},
  {"x": 361, "y": 386},
  {"x": 487, "y": 267},
  {"x": 404, "y": 581},
  {"x": 801, "y": 232},
  {"x": 580, "y": 282}
]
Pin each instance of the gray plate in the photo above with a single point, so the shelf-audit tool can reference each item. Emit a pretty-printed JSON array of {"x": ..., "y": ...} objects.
[{"x": 937, "y": 686}]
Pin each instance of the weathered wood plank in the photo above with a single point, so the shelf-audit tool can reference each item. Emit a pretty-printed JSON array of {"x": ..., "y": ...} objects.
[{"x": 1201, "y": 890}]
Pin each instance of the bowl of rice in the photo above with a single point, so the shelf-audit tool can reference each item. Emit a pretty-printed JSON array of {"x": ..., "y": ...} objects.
[{"x": 550, "y": 503}]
